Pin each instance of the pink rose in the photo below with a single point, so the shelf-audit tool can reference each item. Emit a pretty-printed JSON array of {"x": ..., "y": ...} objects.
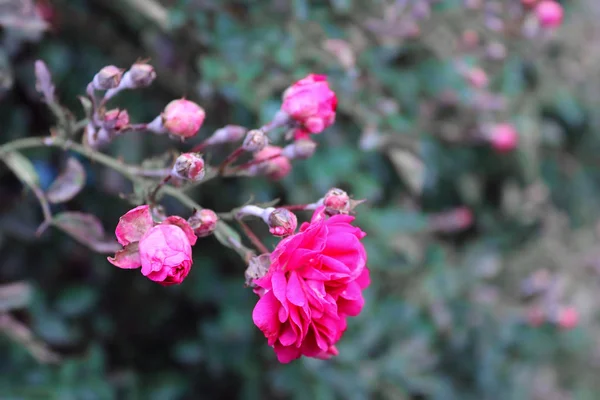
[
  {"x": 164, "y": 251},
  {"x": 314, "y": 282},
  {"x": 549, "y": 13},
  {"x": 311, "y": 103}
]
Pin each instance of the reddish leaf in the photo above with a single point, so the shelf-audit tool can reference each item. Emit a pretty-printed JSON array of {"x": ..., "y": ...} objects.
[
  {"x": 87, "y": 230},
  {"x": 68, "y": 183}
]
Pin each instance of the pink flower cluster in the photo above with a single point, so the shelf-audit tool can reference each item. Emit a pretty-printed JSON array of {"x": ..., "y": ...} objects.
[
  {"x": 314, "y": 282},
  {"x": 163, "y": 250}
]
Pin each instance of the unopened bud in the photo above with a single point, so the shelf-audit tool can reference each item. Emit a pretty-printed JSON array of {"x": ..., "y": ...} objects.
[
  {"x": 300, "y": 149},
  {"x": 549, "y": 13},
  {"x": 189, "y": 166},
  {"x": 535, "y": 316},
  {"x": 282, "y": 222},
  {"x": 140, "y": 75},
  {"x": 227, "y": 134},
  {"x": 109, "y": 77},
  {"x": 203, "y": 222},
  {"x": 255, "y": 140},
  {"x": 257, "y": 268},
  {"x": 183, "y": 118},
  {"x": 337, "y": 201},
  {"x": 116, "y": 119},
  {"x": 477, "y": 78}
]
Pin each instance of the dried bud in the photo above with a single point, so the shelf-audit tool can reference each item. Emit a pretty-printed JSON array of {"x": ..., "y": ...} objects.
[
  {"x": 336, "y": 201},
  {"x": 300, "y": 149},
  {"x": 189, "y": 166},
  {"x": 282, "y": 222},
  {"x": 116, "y": 119},
  {"x": 257, "y": 268},
  {"x": 275, "y": 166},
  {"x": 140, "y": 75},
  {"x": 203, "y": 222},
  {"x": 109, "y": 77},
  {"x": 183, "y": 118},
  {"x": 255, "y": 140}
]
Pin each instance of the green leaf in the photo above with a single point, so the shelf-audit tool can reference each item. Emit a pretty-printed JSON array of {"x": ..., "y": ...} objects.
[{"x": 68, "y": 183}]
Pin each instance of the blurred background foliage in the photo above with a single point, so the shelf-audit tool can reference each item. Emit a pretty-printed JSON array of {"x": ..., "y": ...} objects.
[{"x": 474, "y": 253}]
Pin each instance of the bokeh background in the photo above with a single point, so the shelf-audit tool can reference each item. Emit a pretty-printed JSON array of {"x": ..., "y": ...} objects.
[{"x": 485, "y": 264}]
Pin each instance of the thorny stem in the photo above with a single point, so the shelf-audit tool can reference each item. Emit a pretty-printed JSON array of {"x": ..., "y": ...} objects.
[
  {"x": 157, "y": 188},
  {"x": 130, "y": 172}
]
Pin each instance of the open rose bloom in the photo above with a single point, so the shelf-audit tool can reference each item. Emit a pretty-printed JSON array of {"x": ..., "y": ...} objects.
[
  {"x": 311, "y": 103},
  {"x": 314, "y": 282},
  {"x": 164, "y": 251}
]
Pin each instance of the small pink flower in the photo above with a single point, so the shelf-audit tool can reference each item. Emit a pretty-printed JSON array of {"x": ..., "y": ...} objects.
[
  {"x": 503, "y": 137},
  {"x": 164, "y": 251},
  {"x": 568, "y": 318},
  {"x": 275, "y": 165},
  {"x": 183, "y": 118},
  {"x": 311, "y": 103},
  {"x": 477, "y": 78},
  {"x": 549, "y": 13},
  {"x": 165, "y": 254},
  {"x": 314, "y": 283}
]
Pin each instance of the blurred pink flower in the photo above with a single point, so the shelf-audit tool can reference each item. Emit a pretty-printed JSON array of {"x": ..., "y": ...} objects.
[
  {"x": 275, "y": 165},
  {"x": 311, "y": 103}
]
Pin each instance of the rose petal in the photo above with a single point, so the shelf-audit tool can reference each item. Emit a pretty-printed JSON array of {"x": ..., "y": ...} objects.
[
  {"x": 184, "y": 225},
  {"x": 127, "y": 258},
  {"x": 264, "y": 316},
  {"x": 133, "y": 225}
]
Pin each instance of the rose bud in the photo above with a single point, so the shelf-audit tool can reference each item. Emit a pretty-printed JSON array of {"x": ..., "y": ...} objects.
[
  {"x": 255, "y": 140},
  {"x": 300, "y": 149},
  {"x": 336, "y": 201},
  {"x": 311, "y": 103},
  {"x": 109, "y": 77},
  {"x": 140, "y": 75},
  {"x": 116, "y": 119},
  {"x": 282, "y": 222},
  {"x": 189, "y": 166},
  {"x": 182, "y": 118},
  {"x": 549, "y": 13},
  {"x": 503, "y": 137},
  {"x": 203, "y": 222},
  {"x": 275, "y": 166}
]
